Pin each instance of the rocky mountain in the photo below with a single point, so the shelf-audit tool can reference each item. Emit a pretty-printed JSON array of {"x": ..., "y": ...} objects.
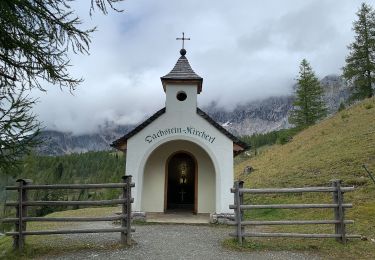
[
  {"x": 59, "y": 143},
  {"x": 336, "y": 92},
  {"x": 253, "y": 117},
  {"x": 272, "y": 113}
]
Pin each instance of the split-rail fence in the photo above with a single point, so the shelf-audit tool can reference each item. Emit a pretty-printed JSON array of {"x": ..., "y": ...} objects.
[
  {"x": 338, "y": 207},
  {"x": 24, "y": 185}
]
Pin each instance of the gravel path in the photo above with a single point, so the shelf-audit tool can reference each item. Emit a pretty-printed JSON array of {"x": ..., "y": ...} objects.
[{"x": 171, "y": 242}]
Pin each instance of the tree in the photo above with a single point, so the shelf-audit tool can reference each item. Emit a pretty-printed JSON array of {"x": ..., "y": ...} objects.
[
  {"x": 360, "y": 63},
  {"x": 309, "y": 106},
  {"x": 18, "y": 127},
  {"x": 36, "y": 38}
]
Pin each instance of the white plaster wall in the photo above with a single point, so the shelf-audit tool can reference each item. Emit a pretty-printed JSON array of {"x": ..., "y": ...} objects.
[
  {"x": 153, "y": 184},
  {"x": 182, "y": 115},
  {"x": 154, "y": 177}
]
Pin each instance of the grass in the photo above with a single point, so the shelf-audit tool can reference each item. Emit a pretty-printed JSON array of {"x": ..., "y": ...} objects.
[
  {"x": 336, "y": 148},
  {"x": 56, "y": 244}
]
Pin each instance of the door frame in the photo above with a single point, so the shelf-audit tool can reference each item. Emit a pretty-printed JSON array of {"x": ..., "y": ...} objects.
[{"x": 195, "y": 210}]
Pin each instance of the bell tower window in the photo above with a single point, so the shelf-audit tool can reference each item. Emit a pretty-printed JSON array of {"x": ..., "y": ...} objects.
[{"x": 181, "y": 96}]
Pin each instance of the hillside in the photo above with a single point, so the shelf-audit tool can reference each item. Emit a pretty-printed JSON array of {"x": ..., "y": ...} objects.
[{"x": 335, "y": 148}]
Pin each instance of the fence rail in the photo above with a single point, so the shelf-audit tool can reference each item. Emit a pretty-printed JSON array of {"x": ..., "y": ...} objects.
[
  {"x": 338, "y": 207},
  {"x": 23, "y": 203},
  {"x": 69, "y": 186}
]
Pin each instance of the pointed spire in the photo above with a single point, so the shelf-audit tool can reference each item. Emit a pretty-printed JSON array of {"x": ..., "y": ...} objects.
[{"x": 182, "y": 72}]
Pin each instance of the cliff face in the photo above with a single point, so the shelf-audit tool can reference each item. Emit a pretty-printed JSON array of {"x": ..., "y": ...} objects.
[
  {"x": 254, "y": 117},
  {"x": 59, "y": 143},
  {"x": 336, "y": 92},
  {"x": 272, "y": 113}
]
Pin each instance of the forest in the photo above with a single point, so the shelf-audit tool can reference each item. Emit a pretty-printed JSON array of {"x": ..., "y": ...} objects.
[{"x": 90, "y": 167}]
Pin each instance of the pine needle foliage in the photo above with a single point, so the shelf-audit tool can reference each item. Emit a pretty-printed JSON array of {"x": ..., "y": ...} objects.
[
  {"x": 309, "y": 106},
  {"x": 18, "y": 128},
  {"x": 36, "y": 38},
  {"x": 359, "y": 70}
]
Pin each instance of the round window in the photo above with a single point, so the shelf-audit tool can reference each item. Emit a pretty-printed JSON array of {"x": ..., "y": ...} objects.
[{"x": 181, "y": 96}]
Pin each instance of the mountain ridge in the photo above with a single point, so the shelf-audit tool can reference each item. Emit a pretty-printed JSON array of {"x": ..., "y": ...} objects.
[{"x": 258, "y": 116}]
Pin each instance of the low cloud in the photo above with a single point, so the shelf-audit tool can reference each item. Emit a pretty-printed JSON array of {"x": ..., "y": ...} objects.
[{"x": 244, "y": 50}]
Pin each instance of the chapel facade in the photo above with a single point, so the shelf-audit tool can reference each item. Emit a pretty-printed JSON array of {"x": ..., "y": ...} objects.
[{"x": 180, "y": 158}]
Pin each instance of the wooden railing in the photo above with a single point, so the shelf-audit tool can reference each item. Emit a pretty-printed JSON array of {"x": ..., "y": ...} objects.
[
  {"x": 338, "y": 207},
  {"x": 24, "y": 185}
]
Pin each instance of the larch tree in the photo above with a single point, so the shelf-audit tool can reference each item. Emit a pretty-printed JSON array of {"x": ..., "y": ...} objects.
[
  {"x": 359, "y": 70},
  {"x": 36, "y": 38},
  {"x": 308, "y": 106}
]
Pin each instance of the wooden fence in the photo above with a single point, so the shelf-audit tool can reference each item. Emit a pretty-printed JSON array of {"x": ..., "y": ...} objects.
[
  {"x": 338, "y": 207},
  {"x": 23, "y": 203}
]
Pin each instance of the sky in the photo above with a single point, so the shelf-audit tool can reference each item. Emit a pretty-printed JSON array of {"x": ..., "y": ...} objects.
[{"x": 244, "y": 50}]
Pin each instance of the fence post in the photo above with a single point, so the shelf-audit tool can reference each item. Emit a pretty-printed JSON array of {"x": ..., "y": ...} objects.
[
  {"x": 238, "y": 201},
  {"x": 126, "y": 210},
  {"x": 339, "y": 212},
  {"x": 21, "y": 213}
]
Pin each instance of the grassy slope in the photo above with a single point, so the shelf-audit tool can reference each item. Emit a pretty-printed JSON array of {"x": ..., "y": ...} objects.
[{"x": 333, "y": 149}]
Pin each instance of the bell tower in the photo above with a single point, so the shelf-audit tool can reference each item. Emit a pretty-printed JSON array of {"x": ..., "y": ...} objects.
[{"x": 182, "y": 85}]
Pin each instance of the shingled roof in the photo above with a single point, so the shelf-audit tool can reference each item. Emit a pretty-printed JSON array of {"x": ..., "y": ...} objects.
[
  {"x": 238, "y": 145},
  {"x": 182, "y": 72},
  {"x": 235, "y": 139},
  {"x": 122, "y": 140}
]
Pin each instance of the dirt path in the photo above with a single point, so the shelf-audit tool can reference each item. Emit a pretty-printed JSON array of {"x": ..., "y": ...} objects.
[{"x": 170, "y": 242}]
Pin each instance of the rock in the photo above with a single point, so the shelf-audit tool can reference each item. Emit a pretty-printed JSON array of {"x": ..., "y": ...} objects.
[
  {"x": 221, "y": 218},
  {"x": 247, "y": 170}
]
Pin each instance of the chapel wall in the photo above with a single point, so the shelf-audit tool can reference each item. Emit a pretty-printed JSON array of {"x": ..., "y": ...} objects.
[{"x": 154, "y": 177}]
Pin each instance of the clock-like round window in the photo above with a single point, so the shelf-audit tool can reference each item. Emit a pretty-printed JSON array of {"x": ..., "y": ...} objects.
[{"x": 181, "y": 96}]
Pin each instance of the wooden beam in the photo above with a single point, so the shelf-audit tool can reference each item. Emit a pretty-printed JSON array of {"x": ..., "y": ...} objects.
[
  {"x": 258, "y": 234},
  {"x": 67, "y": 219},
  {"x": 71, "y": 186},
  {"x": 291, "y": 206},
  {"x": 293, "y": 190},
  {"x": 290, "y": 222},
  {"x": 70, "y": 203},
  {"x": 70, "y": 231}
]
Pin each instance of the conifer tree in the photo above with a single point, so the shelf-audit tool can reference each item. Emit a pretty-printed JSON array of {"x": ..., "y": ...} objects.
[
  {"x": 309, "y": 106},
  {"x": 360, "y": 63},
  {"x": 35, "y": 39}
]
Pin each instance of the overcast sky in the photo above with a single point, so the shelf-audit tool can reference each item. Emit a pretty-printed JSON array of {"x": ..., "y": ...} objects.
[{"x": 244, "y": 50}]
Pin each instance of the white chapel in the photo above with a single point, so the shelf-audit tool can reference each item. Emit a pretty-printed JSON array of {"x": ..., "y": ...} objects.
[{"x": 180, "y": 158}]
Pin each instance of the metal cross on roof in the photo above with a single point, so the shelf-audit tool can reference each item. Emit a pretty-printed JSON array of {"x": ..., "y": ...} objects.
[{"x": 183, "y": 39}]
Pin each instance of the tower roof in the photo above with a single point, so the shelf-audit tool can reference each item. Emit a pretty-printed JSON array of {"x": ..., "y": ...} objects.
[{"x": 182, "y": 73}]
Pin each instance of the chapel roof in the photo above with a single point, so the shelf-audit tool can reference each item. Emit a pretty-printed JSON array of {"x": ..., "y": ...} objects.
[
  {"x": 182, "y": 72},
  {"x": 238, "y": 145}
]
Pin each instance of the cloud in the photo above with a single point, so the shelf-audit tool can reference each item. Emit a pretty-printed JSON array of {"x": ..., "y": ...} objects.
[{"x": 244, "y": 50}]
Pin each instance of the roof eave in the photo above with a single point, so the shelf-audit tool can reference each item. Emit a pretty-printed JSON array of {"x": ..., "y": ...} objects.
[{"x": 198, "y": 82}]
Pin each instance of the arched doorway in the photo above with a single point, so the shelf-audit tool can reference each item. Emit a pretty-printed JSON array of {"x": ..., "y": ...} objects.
[
  {"x": 181, "y": 183},
  {"x": 154, "y": 183}
]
